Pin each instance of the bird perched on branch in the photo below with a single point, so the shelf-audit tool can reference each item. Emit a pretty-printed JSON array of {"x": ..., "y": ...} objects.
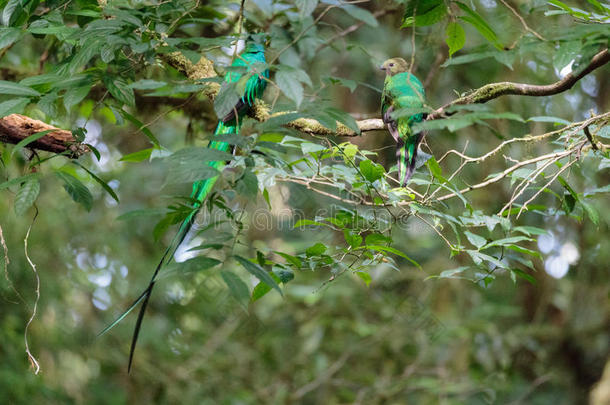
[
  {"x": 246, "y": 64},
  {"x": 402, "y": 105}
]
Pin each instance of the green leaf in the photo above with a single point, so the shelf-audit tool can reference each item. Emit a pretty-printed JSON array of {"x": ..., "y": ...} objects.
[
  {"x": 194, "y": 265},
  {"x": 76, "y": 189},
  {"x": 507, "y": 241},
  {"x": 176, "y": 89},
  {"x": 471, "y": 57},
  {"x": 316, "y": 250},
  {"x": 554, "y": 120},
  {"x": 455, "y": 37},
  {"x": 192, "y": 164},
  {"x": 120, "y": 90},
  {"x": 361, "y": 14},
  {"x": 237, "y": 288},
  {"x": 8, "y": 36},
  {"x": 523, "y": 250},
  {"x": 226, "y": 99},
  {"x": 47, "y": 104},
  {"x": 366, "y": 277},
  {"x": 453, "y": 273},
  {"x": 591, "y": 212},
  {"x": 371, "y": 171},
  {"x": 310, "y": 147},
  {"x": 75, "y": 95},
  {"x": 377, "y": 239},
  {"x": 344, "y": 118},
  {"x": 350, "y": 84},
  {"x": 140, "y": 213},
  {"x": 474, "y": 19},
  {"x": 389, "y": 249},
  {"x": 476, "y": 240},
  {"x": 26, "y": 195},
  {"x": 306, "y": 222},
  {"x": 138, "y": 156},
  {"x": 436, "y": 170},
  {"x": 17, "y": 89},
  {"x": 352, "y": 238},
  {"x": 147, "y": 84},
  {"x": 260, "y": 291},
  {"x": 258, "y": 272},
  {"x": 306, "y": 7},
  {"x": 248, "y": 185},
  {"x": 18, "y": 180},
  {"x": 13, "y": 106},
  {"x": 569, "y": 202},
  {"x": 424, "y": 12},
  {"x": 530, "y": 230},
  {"x": 290, "y": 86},
  {"x": 90, "y": 48},
  {"x": 26, "y": 141},
  {"x": 284, "y": 275},
  {"x": 525, "y": 276},
  {"x": 141, "y": 127},
  {"x": 101, "y": 182},
  {"x": 9, "y": 11},
  {"x": 567, "y": 51},
  {"x": 293, "y": 260},
  {"x": 479, "y": 257}
]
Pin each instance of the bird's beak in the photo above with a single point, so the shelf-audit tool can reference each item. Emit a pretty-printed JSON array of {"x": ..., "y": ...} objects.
[{"x": 381, "y": 67}]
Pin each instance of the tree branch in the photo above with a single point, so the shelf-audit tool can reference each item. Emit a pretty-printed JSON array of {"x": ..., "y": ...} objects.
[
  {"x": 15, "y": 127},
  {"x": 495, "y": 90},
  {"x": 205, "y": 69}
]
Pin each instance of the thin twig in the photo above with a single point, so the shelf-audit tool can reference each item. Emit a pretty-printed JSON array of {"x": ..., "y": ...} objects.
[
  {"x": 527, "y": 28},
  {"x": 563, "y": 169},
  {"x": 352, "y": 28},
  {"x": 506, "y": 172},
  {"x": 495, "y": 90},
  {"x": 34, "y": 363}
]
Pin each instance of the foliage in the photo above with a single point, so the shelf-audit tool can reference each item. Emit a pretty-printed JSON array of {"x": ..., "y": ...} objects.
[{"x": 301, "y": 211}]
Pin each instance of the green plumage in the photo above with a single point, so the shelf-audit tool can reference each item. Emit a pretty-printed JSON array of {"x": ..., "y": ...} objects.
[
  {"x": 402, "y": 100},
  {"x": 253, "y": 55}
]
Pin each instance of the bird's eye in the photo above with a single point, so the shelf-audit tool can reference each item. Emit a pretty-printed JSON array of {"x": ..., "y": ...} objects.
[{"x": 391, "y": 65}]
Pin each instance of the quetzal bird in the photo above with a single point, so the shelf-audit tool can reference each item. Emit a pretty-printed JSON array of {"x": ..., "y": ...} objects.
[
  {"x": 252, "y": 58},
  {"x": 402, "y": 91}
]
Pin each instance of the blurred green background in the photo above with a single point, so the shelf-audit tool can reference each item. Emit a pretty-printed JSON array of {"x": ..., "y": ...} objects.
[{"x": 404, "y": 339}]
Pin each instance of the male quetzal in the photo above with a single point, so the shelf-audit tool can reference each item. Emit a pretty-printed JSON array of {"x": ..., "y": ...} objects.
[
  {"x": 402, "y": 91},
  {"x": 252, "y": 58}
]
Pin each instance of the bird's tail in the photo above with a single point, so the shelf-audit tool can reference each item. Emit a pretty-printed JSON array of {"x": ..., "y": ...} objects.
[
  {"x": 406, "y": 154},
  {"x": 201, "y": 189}
]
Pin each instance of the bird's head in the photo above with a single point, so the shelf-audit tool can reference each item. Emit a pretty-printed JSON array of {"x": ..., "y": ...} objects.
[
  {"x": 256, "y": 42},
  {"x": 394, "y": 66}
]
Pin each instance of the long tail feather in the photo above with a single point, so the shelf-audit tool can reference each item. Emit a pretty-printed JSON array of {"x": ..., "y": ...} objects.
[
  {"x": 406, "y": 154},
  {"x": 201, "y": 189}
]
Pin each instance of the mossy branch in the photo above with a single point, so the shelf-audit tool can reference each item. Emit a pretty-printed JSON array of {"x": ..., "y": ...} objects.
[
  {"x": 205, "y": 69},
  {"x": 495, "y": 90},
  {"x": 16, "y": 127}
]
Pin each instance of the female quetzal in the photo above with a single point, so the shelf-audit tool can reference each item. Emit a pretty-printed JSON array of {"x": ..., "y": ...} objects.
[
  {"x": 402, "y": 91},
  {"x": 251, "y": 59}
]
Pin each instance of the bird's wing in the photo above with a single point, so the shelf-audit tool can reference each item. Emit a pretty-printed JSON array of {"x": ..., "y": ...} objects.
[{"x": 387, "y": 108}]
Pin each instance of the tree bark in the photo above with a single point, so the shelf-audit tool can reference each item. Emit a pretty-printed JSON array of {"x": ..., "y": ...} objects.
[{"x": 16, "y": 127}]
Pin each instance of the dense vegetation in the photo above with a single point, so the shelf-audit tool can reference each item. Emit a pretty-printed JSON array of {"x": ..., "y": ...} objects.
[{"x": 312, "y": 277}]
